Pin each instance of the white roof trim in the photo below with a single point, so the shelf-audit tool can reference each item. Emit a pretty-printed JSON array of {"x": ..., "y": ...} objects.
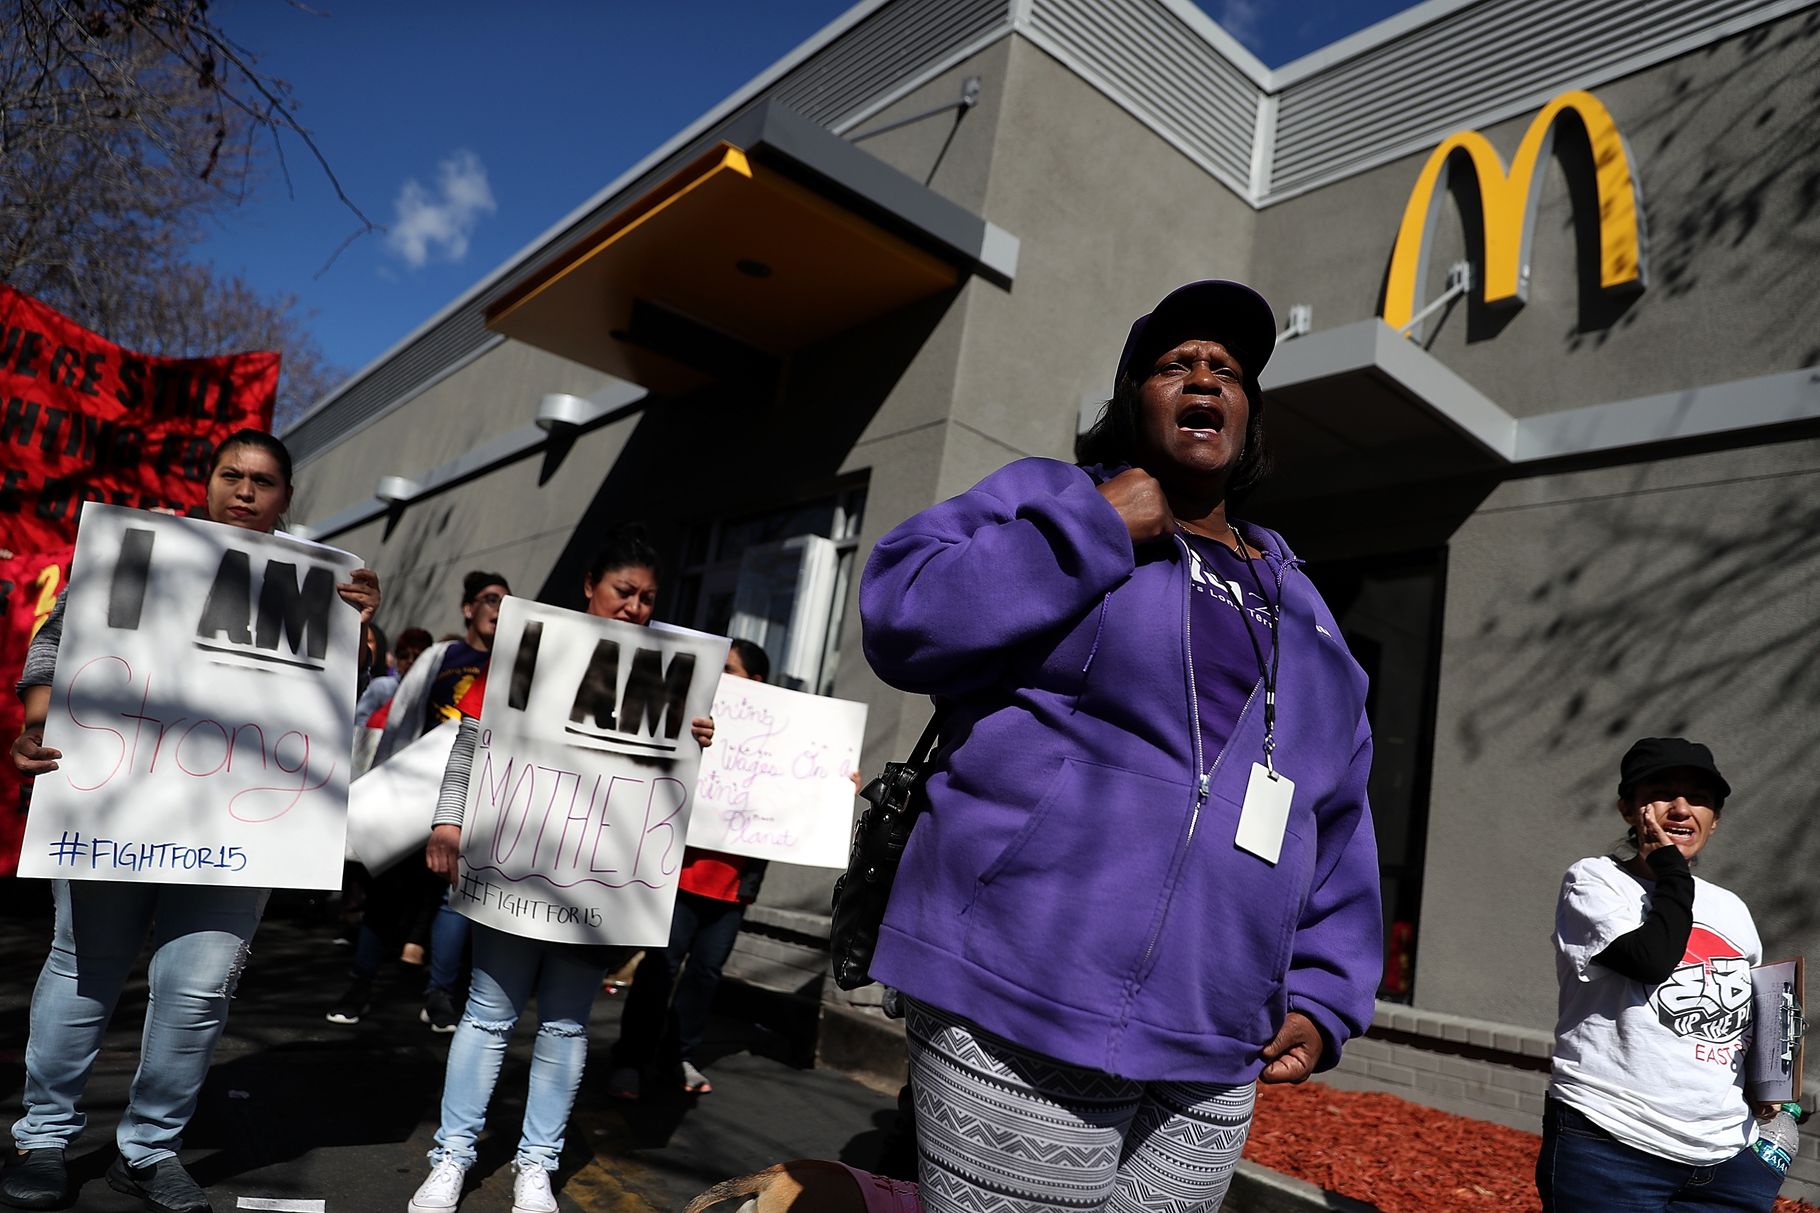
[
  {"x": 1370, "y": 38},
  {"x": 1221, "y": 41}
]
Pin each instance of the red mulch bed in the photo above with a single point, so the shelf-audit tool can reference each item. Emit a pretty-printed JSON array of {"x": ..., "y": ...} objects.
[{"x": 1400, "y": 1156}]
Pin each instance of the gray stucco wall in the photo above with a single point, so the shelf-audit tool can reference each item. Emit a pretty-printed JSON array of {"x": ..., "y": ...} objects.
[
  {"x": 422, "y": 553},
  {"x": 1585, "y": 610},
  {"x": 1721, "y": 141},
  {"x": 1110, "y": 218}
]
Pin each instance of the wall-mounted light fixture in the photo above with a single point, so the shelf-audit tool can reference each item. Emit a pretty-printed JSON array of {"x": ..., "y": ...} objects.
[
  {"x": 1301, "y": 320},
  {"x": 561, "y": 411},
  {"x": 396, "y": 490}
]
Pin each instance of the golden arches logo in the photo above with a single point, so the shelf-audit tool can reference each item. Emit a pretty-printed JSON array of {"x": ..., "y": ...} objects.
[{"x": 1509, "y": 205}]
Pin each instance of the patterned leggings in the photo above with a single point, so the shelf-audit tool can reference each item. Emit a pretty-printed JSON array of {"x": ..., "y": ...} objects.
[{"x": 1003, "y": 1130}]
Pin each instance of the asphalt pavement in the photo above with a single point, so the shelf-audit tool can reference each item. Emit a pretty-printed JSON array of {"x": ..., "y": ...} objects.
[{"x": 300, "y": 1110}]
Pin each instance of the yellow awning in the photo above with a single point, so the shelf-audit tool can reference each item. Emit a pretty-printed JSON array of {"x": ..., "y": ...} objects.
[{"x": 723, "y": 246}]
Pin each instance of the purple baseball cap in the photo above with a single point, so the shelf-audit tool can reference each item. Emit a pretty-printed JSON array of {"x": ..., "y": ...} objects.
[{"x": 1215, "y": 309}]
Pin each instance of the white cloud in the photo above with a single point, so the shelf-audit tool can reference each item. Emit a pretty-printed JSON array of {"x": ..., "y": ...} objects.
[
  {"x": 438, "y": 226},
  {"x": 1241, "y": 19}
]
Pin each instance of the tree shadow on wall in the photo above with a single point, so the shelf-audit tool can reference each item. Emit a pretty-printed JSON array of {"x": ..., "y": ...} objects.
[
  {"x": 1655, "y": 617},
  {"x": 414, "y": 560},
  {"x": 722, "y": 451},
  {"x": 1753, "y": 182}
]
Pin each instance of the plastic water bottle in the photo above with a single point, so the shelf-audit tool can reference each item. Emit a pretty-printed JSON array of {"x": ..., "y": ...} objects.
[{"x": 1777, "y": 1138}]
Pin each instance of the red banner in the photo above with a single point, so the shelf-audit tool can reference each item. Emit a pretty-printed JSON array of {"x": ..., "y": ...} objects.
[{"x": 82, "y": 419}]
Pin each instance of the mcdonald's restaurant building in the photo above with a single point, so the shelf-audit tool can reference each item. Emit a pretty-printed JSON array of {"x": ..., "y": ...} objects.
[{"x": 1545, "y": 411}]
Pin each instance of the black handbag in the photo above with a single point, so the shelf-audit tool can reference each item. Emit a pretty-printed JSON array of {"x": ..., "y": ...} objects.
[{"x": 896, "y": 800}]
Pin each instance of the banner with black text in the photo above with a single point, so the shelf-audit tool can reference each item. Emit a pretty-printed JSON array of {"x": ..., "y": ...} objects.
[{"x": 82, "y": 419}]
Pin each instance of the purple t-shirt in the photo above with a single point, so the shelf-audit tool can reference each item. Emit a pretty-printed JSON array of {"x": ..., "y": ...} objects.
[{"x": 1225, "y": 664}]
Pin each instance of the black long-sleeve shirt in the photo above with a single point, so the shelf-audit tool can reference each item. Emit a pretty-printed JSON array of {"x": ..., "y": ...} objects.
[{"x": 1651, "y": 952}]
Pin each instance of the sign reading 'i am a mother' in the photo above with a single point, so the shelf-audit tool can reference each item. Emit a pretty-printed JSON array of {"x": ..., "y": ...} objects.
[{"x": 584, "y": 779}]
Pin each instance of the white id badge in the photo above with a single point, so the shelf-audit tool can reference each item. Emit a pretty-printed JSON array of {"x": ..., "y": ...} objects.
[{"x": 1266, "y": 813}]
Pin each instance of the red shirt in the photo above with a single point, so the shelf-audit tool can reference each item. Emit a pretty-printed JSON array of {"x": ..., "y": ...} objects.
[
  {"x": 470, "y": 702},
  {"x": 712, "y": 875}
]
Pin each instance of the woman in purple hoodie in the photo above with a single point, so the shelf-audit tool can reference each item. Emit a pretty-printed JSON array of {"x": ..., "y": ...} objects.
[{"x": 1147, "y": 877}]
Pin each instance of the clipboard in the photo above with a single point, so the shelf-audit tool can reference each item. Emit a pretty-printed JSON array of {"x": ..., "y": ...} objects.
[{"x": 1772, "y": 1068}]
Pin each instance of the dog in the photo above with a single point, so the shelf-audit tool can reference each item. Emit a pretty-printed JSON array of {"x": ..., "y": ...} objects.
[{"x": 811, "y": 1185}]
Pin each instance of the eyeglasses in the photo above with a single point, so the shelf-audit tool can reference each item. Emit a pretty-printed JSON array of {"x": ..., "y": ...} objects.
[{"x": 490, "y": 599}]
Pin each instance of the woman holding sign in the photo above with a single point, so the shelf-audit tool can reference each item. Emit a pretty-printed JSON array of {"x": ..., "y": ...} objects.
[
  {"x": 509, "y": 969},
  {"x": 200, "y": 935},
  {"x": 1147, "y": 879}
]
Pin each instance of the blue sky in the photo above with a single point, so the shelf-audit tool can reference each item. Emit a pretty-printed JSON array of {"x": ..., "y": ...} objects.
[{"x": 468, "y": 128}]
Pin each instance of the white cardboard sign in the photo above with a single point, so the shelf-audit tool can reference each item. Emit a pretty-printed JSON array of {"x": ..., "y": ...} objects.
[
  {"x": 777, "y": 783},
  {"x": 204, "y": 704},
  {"x": 390, "y": 807},
  {"x": 579, "y": 801}
]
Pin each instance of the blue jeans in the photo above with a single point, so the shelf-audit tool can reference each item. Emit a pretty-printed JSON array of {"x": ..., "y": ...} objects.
[
  {"x": 450, "y": 931},
  {"x": 200, "y": 939},
  {"x": 702, "y": 934},
  {"x": 1584, "y": 1169},
  {"x": 508, "y": 970},
  {"x": 448, "y": 944}
]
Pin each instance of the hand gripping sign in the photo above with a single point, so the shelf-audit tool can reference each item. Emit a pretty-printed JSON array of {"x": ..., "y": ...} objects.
[
  {"x": 204, "y": 704},
  {"x": 579, "y": 800},
  {"x": 778, "y": 783}
]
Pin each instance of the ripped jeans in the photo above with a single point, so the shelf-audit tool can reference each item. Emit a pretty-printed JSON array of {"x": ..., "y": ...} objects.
[
  {"x": 200, "y": 937},
  {"x": 508, "y": 970}
]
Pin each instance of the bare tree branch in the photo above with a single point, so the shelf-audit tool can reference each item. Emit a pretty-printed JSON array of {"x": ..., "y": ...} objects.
[{"x": 124, "y": 126}]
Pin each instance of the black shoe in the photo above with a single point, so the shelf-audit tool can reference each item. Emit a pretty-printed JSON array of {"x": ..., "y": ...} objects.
[
  {"x": 165, "y": 1186},
  {"x": 439, "y": 1011},
  {"x": 37, "y": 1179},
  {"x": 353, "y": 1004}
]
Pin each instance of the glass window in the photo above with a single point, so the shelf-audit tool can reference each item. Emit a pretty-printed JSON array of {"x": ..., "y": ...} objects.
[{"x": 779, "y": 578}]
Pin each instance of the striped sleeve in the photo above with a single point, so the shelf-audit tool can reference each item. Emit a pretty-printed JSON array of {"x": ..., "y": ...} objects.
[
  {"x": 41, "y": 658},
  {"x": 452, "y": 799}
]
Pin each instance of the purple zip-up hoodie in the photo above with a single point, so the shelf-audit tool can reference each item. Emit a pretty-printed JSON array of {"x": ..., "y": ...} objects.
[{"x": 1072, "y": 887}]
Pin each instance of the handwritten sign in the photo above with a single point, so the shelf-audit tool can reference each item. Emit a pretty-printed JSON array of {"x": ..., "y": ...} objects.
[
  {"x": 204, "y": 704},
  {"x": 778, "y": 782},
  {"x": 584, "y": 779}
]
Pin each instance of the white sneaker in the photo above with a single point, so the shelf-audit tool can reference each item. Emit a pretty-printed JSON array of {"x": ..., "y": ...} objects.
[
  {"x": 441, "y": 1192},
  {"x": 531, "y": 1190}
]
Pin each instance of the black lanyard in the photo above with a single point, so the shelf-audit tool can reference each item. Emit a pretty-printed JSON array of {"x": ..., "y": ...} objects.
[{"x": 1267, "y": 669}]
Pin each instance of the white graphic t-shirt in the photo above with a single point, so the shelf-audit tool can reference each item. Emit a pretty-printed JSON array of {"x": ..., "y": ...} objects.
[{"x": 1659, "y": 1067}]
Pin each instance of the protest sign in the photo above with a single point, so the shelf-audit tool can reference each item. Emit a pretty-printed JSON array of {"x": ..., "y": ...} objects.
[
  {"x": 777, "y": 783},
  {"x": 82, "y": 419},
  {"x": 582, "y": 785},
  {"x": 390, "y": 807},
  {"x": 204, "y": 704}
]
